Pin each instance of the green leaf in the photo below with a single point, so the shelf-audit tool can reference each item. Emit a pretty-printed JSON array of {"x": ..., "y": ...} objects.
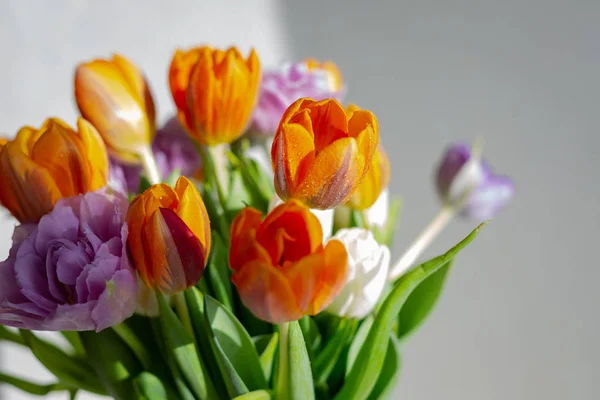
[
  {"x": 267, "y": 356},
  {"x": 256, "y": 395},
  {"x": 386, "y": 236},
  {"x": 421, "y": 301},
  {"x": 180, "y": 346},
  {"x": 389, "y": 373},
  {"x": 234, "y": 384},
  {"x": 149, "y": 387},
  {"x": 236, "y": 343},
  {"x": 144, "y": 184},
  {"x": 311, "y": 333},
  {"x": 71, "y": 371},
  {"x": 218, "y": 272},
  {"x": 330, "y": 353},
  {"x": 294, "y": 375},
  {"x": 261, "y": 341},
  {"x": 369, "y": 361},
  {"x": 75, "y": 342},
  {"x": 357, "y": 342},
  {"x": 30, "y": 387},
  {"x": 112, "y": 360}
]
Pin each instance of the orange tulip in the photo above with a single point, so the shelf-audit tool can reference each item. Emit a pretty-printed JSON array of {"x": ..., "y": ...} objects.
[
  {"x": 169, "y": 236},
  {"x": 214, "y": 91},
  {"x": 321, "y": 152},
  {"x": 114, "y": 96},
  {"x": 333, "y": 73},
  {"x": 280, "y": 267},
  {"x": 376, "y": 180},
  {"x": 39, "y": 167}
]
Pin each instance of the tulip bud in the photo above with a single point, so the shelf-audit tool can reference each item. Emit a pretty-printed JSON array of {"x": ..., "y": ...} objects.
[
  {"x": 368, "y": 265},
  {"x": 169, "y": 236},
  {"x": 321, "y": 152},
  {"x": 114, "y": 96},
  {"x": 214, "y": 92},
  {"x": 467, "y": 183},
  {"x": 285, "y": 84},
  {"x": 39, "y": 167},
  {"x": 280, "y": 267},
  {"x": 325, "y": 216},
  {"x": 376, "y": 179}
]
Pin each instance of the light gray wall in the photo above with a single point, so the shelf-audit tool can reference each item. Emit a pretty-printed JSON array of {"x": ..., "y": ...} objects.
[{"x": 518, "y": 319}]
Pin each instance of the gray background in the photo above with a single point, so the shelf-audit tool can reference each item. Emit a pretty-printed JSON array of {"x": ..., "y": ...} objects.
[{"x": 519, "y": 317}]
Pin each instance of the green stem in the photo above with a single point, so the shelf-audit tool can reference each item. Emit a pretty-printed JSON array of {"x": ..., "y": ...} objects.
[
  {"x": 131, "y": 339},
  {"x": 184, "y": 315},
  {"x": 281, "y": 387},
  {"x": 30, "y": 387},
  {"x": 9, "y": 336},
  {"x": 216, "y": 169}
]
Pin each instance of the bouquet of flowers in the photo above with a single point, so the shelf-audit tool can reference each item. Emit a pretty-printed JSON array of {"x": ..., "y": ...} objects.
[{"x": 241, "y": 251}]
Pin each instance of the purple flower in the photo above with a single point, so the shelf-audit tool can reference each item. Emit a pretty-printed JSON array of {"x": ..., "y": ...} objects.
[
  {"x": 173, "y": 149},
  {"x": 282, "y": 86},
  {"x": 70, "y": 270},
  {"x": 469, "y": 182}
]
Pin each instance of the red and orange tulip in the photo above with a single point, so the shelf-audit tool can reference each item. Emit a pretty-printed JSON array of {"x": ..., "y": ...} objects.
[
  {"x": 114, "y": 96},
  {"x": 214, "y": 91},
  {"x": 169, "y": 236},
  {"x": 281, "y": 269},
  {"x": 41, "y": 166},
  {"x": 374, "y": 182},
  {"x": 321, "y": 152}
]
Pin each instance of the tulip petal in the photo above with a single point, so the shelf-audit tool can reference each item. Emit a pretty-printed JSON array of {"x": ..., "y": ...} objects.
[
  {"x": 266, "y": 292},
  {"x": 95, "y": 151},
  {"x": 192, "y": 211},
  {"x": 334, "y": 175},
  {"x": 243, "y": 239},
  {"x": 292, "y": 151},
  {"x": 328, "y": 122},
  {"x": 179, "y": 79},
  {"x": 136, "y": 245},
  {"x": 200, "y": 94},
  {"x": 330, "y": 276}
]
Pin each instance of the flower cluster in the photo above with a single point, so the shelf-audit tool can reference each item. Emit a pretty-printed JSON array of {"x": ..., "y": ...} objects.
[{"x": 222, "y": 260}]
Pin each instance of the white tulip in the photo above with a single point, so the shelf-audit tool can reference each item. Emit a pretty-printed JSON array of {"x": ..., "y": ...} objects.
[
  {"x": 377, "y": 214},
  {"x": 368, "y": 265},
  {"x": 325, "y": 216}
]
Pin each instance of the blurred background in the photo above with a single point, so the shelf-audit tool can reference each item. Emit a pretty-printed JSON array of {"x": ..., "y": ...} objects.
[{"x": 519, "y": 317}]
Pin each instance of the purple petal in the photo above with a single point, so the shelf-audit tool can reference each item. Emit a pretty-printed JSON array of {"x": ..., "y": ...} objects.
[{"x": 117, "y": 302}]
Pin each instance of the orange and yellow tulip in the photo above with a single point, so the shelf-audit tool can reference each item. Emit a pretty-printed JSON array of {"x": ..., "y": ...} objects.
[
  {"x": 169, "y": 236},
  {"x": 114, "y": 96},
  {"x": 214, "y": 91},
  {"x": 374, "y": 182},
  {"x": 41, "y": 166},
  {"x": 280, "y": 267},
  {"x": 333, "y": 73},
  {"x": 321, "y": 152}
]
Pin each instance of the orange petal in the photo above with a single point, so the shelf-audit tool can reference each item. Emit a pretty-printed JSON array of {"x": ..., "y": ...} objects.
[
  {"x": 200, "y": 99},
  {"x": 192, "y": 211},
  {"x": 333, "y": 176},
  {"x": 136, "y": 219},
  {"x": 96, "y": 153},
  {"x": 328, "y": 121},
  {"x": 376, "y": 179},
  {"x": 244, "y": 246},
  {"x": 265, "y": 291},
  {"x": 330, "y": 275},
  {"x": 303, "y": 278}
]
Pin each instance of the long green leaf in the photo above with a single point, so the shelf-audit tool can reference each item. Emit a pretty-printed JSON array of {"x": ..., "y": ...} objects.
[
  {"x": 218, "y": 272},
  {"x": 71, "y": 371},
  {"x": 357, "y": 342},
  {"x": 256, "y": 395},
  {"x": 421, "y": 302},
  {"x": 389, "y": 373},
  {"x": 236, "y": 343},
  {"x": 112, "y": 360},
  {"x": 328, "y": 356},
  {"x": 234, "y": 384},
  {"x": 149, "y": 387},
  {"x": 181, "y": 347},
  {"x": 369, "y": 362},
  {"x": 294, "y": 375},
  {"x": 30, "y": 387},
  {"x": 267, "y": 356}
]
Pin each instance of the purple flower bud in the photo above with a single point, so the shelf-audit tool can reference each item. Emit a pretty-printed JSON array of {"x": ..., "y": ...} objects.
[
  {"x": 469, "y": 183},
  {"x": 281, "y": 86},
  {"x": 70, "y": 270},
  {"x": 173, "y": 149}
]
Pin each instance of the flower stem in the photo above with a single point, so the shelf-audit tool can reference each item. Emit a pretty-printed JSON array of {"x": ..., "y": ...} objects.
[
  {"x": 281, "y": 389},
  {"x": 422, "y": 242},
  {"x": 184, "y": 314},
  {"x": 7, "y": 335},
  {"x": 131, "y": 339},
  {"x": 149, "y": 164},
  {"x": 215, "y": 165},
  {"x": 30, "y": 387}
]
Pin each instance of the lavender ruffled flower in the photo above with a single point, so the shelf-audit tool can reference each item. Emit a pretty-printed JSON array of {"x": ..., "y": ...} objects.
[
  {"x": 70, "y": 270},
  {"x": 469, "y": 182},
  {"x": 173, "y": 149},
  {"x": 281, "y": 86}
]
